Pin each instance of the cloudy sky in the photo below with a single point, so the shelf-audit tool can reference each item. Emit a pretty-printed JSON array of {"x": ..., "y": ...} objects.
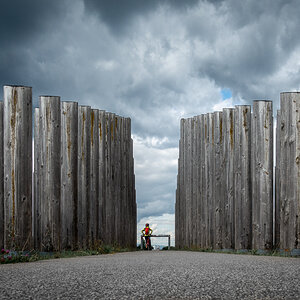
[{"x": 154, "y": 61}]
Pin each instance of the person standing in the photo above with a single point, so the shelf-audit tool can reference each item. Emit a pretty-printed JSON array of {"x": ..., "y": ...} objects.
[{"x": 147, "y": 231}]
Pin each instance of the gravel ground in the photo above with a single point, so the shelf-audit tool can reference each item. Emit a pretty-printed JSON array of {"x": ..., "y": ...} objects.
[{"x": 154, "y": 275}]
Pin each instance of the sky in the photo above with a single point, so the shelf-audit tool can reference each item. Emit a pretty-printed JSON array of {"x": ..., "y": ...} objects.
[{"x": 155, "y": 61}]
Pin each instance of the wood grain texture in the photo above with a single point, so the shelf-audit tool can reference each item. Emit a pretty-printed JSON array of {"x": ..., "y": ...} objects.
[
  {"x": 18, "y": 167},
  {"x": 49, "y": 173},
  {"x": 69, "y": 175},
  {"x": 262, "y": 175}
]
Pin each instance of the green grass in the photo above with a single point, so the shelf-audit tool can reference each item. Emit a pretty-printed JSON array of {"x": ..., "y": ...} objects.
[{"x": 9, "y": 256}]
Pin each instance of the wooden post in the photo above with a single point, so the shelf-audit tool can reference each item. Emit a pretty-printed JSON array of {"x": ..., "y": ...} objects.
[
  {"x": 109, "y": 204},
  {"x": 188, "y": 183},
  {"x": 218, "y": 209},
  {"x": 117, "y": 177},
  {"x": 69, "y": 163},
  {"x": 198, "y": 181},
  {"x": 84, "y": 143},
  {"x": 94, "y": 179},
  {"x": 277, "y": 182},
  {"x": 194, "y": 181},
  {"x": 49, "y": 154},
  {"x": 202, "y": 182},
  {"x": 262, "y": 175},
  {"x": 290, "y": 172},
  {"x": 1, "y": 178},
  {"x": 211, "y": 181},
  {"x": 102, "y": 175},
  {"x": 169, "y": 242},
  {"x": 243, "y": 201},
  {"x": 125, "y": 177},
  {"x": 18, "y": 167},
  {"x": 206, "y": 181},
  {"x": 36, "y": 194},
  {"x": 228, "y": 177}
]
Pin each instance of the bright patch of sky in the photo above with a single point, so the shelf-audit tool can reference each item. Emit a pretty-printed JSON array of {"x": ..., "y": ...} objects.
[{"x": 226, "y": 93}]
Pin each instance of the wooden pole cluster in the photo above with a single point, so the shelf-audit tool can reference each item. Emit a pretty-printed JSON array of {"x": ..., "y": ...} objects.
[
  {"x": 217, "y": 176},
  {"x": 83, "y": 190}
]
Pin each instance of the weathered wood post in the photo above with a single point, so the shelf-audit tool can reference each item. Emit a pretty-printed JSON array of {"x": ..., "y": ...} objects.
[
  {"x": 36, "y": 193},
  {"x": 187, "y": 175},
  {"x": 126, "y": 175},
  {"x": 49, "y": 154},
  {"x": 277, "y": 182},
  {"x": 69, "y": 162},
  {"x": 198, "y": 181},
  {"x": 94, "y": 179},
  {"x": 18, "y": 167},
  {"x": 202, "y": 182},
  {"x": 228, "y": 178},
  {"x": 84, "y": 150},
  {"x": 206, "y": 181},
  {"x": 218, "y": 209},
  {"x": 109, "y": 207},
  {"x": 169, "y": 242},
  {"x": 243, "y": 200},
  {"x": 102, "y": 175},
  {"x": 262, "y": 175},
  {"x": 194, "y": 181},
  {"x": 211, "y": 181},
  {"x": 290, "y": 172},
  {"x": 1, "y": 178},
  {"x": 117, "y": 179}
]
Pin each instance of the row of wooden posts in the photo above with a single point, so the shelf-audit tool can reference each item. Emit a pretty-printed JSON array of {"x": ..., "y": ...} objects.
[
  {"x": 224, "y": 196},
  {"x": 69, "y": 183}
]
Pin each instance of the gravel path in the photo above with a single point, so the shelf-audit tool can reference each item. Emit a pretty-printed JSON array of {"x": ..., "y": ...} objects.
[{"x": 154, "y": 275}]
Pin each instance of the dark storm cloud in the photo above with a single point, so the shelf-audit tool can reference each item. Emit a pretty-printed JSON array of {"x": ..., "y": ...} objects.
[
  {"x": 21, "y": 21},
  {"x": 117, "y": 14},
  {"x": 21, "y": 24}
]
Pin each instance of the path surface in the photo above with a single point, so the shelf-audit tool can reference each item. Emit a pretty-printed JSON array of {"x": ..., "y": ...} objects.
[{"x": 157, "y": 274}]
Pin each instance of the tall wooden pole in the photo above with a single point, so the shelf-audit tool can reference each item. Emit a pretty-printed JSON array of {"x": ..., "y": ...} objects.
[
  {"x": 84, "y": 150},
  {"x": 69, "y": 176},
  {"x": 211, "y": 181},
  {"x": 18, "y": 167},
  {"x": 194, "y": 183},
  {"x": 94, "y": 179},
  {"x": 290, "y": 172},
  {"x": 102, "y": 175},
  {"x": 37, "y": 167},
  {"x": 262, "y": 175},
  {"x": 203, "y": 194},
  {"x": 243, "y": 201},
  {"x": 228, "y": 177},
  {"x": 277, "y": 182},
  {"x": 218, "y": 208},
  {"x": 49, "y": 154},
  {"x": 108, "y": 174},
  {"x": 117, "y": 178},
  {"x": 198, "y": 180}
]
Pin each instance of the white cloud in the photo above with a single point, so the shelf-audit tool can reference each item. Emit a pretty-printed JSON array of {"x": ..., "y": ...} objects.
[{"x": 223, "y": 104}]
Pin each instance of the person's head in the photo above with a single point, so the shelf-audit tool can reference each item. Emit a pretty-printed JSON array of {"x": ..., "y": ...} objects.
[{"x": 147, "y": 224}]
